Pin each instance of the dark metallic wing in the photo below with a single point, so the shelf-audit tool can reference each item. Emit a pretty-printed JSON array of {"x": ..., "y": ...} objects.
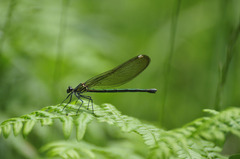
[{"x": 120, "y": 74}]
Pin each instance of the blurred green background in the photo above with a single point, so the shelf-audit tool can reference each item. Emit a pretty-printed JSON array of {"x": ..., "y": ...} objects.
[{"x": 46, "y": 46}]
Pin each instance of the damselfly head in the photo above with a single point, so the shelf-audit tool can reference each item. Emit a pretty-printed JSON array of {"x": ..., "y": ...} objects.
[{"x": 70, "y": 89}]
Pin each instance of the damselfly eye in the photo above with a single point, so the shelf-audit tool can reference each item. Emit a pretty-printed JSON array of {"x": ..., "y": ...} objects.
[{"x": 69, "y": 89}]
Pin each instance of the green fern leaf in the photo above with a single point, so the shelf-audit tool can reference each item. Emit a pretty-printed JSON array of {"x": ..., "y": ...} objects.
[
  {"x": 67, "y": 125},
  {"x": 74, "y": 150},
  {"x": 46, "y": 121},
  {"x": 6, "y": 130},
  {"x": 81, "y": 124},
  {"x": 17, "y": 127},
  {"x": 201, "y": 138},
  {"x": 27, "y": 128}
]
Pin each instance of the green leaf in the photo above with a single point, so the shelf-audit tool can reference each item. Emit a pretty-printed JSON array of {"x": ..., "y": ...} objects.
[
  {"x": 46, "y": 121},
  {"x": 67, "y": 126},
  {"x": 72, "y": 154},
  {"x": 198, "y": 139},
  {"x": 28, "y": 127},
  {"x": 6, "y": 130},
  {"x": 17, "y": 127},
  {"x": 210, "y": 111},
  {"x": 81, "y": 124}
]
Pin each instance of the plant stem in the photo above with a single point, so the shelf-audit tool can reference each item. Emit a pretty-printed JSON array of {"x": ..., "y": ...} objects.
[
  {"x": 224, "y": 70},
  {"x": 169, "y": 59}
]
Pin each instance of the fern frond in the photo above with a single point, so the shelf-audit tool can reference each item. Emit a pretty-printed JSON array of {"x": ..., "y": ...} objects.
[
  {"x": 73, "y": 150},
  {"x": 201, "y": 138},
  {"x": 46, "y": 116}
]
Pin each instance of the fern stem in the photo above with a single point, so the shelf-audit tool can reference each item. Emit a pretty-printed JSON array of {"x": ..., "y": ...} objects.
[
  {"x": 225, "y": 68},
  {"x": 7, "y": 23},
  {"x": 169, "y": 59}
]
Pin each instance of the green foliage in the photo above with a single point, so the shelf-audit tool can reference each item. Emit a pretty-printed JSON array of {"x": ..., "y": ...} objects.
[
  {"x": 72, "y": 149},
  {"x": 202, "y": 138},
  {"x": 46, "y": 46}
]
